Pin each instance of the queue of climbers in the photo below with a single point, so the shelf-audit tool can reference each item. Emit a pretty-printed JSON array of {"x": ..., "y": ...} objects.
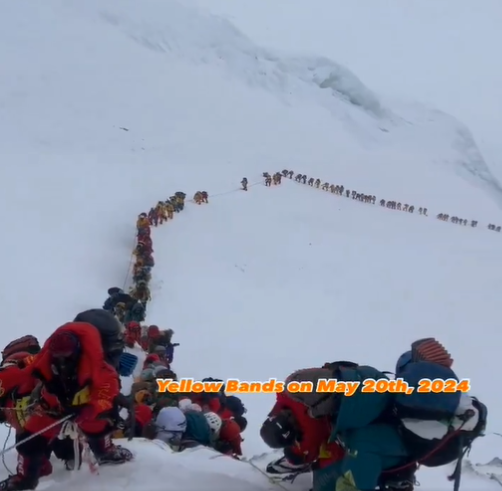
[
  {"x": 64, "y": 399},
  {"x": 340, "y": 190},
  {"x": 131, "y": 306},
  {"x": 214, "y": 420}
]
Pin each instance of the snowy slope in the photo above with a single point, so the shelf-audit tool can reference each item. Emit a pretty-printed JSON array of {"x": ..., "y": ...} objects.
[
  {"x": 442, "y": 53},
  {"x": 156, "y": 468},
  {"x": 53, "y": 103},
  {"x": 108, "y": 107}
]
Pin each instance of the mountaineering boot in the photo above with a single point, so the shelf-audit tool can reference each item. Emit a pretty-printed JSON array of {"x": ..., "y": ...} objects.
[
  {"x": 283, "y": 466},
  {"x": 17, "y": 482},
  {"x": 403, "y": 480},
  {"x": 106, "y": 452},
  {"x": 29, "y": 469}
]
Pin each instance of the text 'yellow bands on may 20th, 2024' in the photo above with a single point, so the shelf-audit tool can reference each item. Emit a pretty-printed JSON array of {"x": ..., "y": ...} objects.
[{"x": 331, "y": 385}]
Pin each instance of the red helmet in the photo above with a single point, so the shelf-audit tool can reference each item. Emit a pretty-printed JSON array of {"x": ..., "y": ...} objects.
[
  {"x": 133, "y": 326},
  {"x": 64, "y": 345},
  {"x": 153, "y": 331}
]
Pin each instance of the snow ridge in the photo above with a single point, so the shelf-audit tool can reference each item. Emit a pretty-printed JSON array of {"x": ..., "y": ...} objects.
[{"x": 203, "y": 38}]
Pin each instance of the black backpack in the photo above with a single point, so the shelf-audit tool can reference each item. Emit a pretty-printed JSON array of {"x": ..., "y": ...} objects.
[{"x": 235, "y": 406}]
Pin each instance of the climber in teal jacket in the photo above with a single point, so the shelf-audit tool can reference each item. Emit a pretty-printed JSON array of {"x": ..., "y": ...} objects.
[
  {"x": 371, "y": 446},
  {"x": 198, "y": 431},
  {"x": 386, "y": 435}
]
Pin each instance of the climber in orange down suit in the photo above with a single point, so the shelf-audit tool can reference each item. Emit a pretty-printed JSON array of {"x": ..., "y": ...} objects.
[{"x": 75, "y": 380}]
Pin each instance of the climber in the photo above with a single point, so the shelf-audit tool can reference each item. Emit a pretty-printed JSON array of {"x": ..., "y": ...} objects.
[
  {"x": 136, "y": 311},
  {"x": 170, "y": 209},
  {"x": 151, "y": 339},
  {"x": 244, "y": 184},
  {"x": 142, "y": 221},
  {"x": 288, "y": 420},
  {"x": 132, "y": 334},
  {"x": 161, "y": 211},
  {"x": 180, "y": 200},
  {"x": 153, "y": 217},
  {"x": 384, "y": 432},
  {"x": 184, "y": 430},
  {"x": 197, "y": 197},
  {"x": 16, "y": 407},
  {"x": 74, "y": 380},
  {"x": 141, "y": 292},
  {"x": 116, "y": 295}
]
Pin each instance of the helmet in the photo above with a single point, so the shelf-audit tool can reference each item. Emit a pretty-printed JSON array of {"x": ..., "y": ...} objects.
[
  {"x": 153, "y": 330},
  {"x": 142, "y": 397},
  {"x": 133, "y": 326},
  {"x": 64, "y": 350},
  {"x": 146, "y": 375},
  {"x": 164, "y": 372},
  {"x": 64, "y": 345},
  {"x": 159, "y": 371},
  {"x": 214, "y": 422},
  {"x": 193, "y": 407},
  {"x": 184, "y": 403},
  {"x": 171, "y": 419},
  {"x": 114, "y": 290},
  {"x": 279, "y": 431}
]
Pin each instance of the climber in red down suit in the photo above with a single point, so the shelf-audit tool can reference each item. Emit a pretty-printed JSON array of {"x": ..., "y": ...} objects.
[
  {"x": 75, "y": 380},
  {"x": 312, "y": 447}
]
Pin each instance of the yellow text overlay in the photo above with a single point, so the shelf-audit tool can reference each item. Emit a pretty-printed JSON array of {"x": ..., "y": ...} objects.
[{"x": 332, "y": 385}]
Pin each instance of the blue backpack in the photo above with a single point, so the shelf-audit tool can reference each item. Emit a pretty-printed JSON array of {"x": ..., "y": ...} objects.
[
  {"x": 448, "y": 446},
  {"x": 425, "y": 405},
  {"x": 127, "y": 364}
]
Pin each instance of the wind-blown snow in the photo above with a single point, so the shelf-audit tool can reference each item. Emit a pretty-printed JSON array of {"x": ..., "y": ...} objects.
[{"x": 107, "y": 107}]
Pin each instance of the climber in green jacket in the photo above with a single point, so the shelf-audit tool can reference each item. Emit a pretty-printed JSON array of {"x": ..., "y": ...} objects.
[{"x": 371, "y": 444}]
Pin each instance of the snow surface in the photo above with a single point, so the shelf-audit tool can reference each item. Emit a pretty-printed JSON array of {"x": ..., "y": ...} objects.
[
  {"x": 443, "y": 53},
  {"x": 107, "y": 107}
]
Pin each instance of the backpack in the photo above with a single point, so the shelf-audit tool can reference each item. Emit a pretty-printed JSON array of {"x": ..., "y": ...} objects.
[
  {"x": 198, "y": 428},
  {"x": 235, "y": 406},
  {"x": 26, "y": 343},
  {"x": 436, "y": 428}
]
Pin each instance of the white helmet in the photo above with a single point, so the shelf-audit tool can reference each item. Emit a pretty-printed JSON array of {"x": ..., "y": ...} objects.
[
  {"x": 215, "y": 422},
  {"x": 193, "y": 407},
  {"x": 184, "y": 403},
  {"x": 171, "y": 419},
  {"x": 187, "y": 405}
]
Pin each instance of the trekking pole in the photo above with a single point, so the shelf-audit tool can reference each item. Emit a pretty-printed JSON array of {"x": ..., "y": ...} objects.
[{"x": 38, "y": 433}]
